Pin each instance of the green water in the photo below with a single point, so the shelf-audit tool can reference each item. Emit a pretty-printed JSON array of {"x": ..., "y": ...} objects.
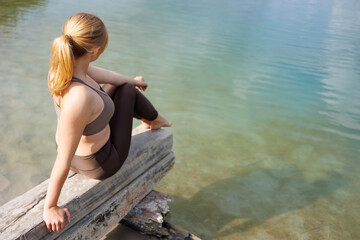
[{"x": 264, "y": 97}]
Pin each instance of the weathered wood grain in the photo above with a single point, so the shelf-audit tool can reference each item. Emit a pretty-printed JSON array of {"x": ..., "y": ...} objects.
[
  {"x": 23, "y": 215},
  {"x": 100, "y": 221}
]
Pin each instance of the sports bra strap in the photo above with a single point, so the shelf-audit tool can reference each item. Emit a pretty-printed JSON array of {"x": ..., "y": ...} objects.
[{"x": 75, "y": 79}]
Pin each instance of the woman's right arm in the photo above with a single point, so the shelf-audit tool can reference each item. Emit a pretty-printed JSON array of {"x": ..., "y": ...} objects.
[
  {"x": 71, "y": 124},
  {"x": 101, "y": 75}
]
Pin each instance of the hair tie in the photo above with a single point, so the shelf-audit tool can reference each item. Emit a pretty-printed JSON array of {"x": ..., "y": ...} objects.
[{"x": 68, "y": 34}]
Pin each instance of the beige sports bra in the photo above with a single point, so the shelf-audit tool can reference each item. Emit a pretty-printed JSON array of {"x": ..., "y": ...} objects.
[{"x": 103, "y": 119}]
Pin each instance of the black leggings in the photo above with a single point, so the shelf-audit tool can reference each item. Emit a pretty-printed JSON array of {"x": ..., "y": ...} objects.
[{"x": 129, "y": 103}]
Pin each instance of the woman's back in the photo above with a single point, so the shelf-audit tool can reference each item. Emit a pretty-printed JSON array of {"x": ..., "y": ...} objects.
[
  {"x": 102, "y": 120},
  {"x": 97, "y": 130}
]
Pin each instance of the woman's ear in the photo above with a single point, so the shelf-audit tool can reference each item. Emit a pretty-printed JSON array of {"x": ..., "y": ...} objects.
[{"x": 94, "y": 52}]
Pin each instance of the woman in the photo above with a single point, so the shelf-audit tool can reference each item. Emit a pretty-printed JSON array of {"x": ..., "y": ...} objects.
[{"x": 94, "y": 123}]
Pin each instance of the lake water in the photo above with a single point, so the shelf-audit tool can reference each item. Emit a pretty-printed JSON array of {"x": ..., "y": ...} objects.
[{"x": 264, "y": 97}]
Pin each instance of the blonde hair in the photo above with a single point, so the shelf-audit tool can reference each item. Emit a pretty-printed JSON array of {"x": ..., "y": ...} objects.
[{"x": 80, "y": 33}]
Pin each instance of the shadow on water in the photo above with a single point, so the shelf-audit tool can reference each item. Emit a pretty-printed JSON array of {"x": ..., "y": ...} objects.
[
  {"x": 11, "y": 11},
  {"x": 251, "y": 199}
]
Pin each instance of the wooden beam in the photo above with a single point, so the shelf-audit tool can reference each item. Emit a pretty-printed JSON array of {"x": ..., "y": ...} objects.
[
  {"x": 100, "y": 221},
  {"x": 150, "y": 158}
]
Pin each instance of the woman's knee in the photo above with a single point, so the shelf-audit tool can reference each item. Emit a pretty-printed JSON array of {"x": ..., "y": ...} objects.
[{"x": 126, "y": 89}]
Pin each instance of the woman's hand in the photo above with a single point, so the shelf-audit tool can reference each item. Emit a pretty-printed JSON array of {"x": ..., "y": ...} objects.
[
  {"x": 140, "y": 83},
  {"x": 54, "y": 218}
]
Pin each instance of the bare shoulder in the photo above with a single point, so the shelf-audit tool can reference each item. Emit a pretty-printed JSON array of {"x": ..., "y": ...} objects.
[{"x": 77, "y": 99}]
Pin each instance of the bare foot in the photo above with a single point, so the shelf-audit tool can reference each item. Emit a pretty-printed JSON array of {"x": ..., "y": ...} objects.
[
  {"x": 146, "y": 123},
  {"x": 159, "y": 122}
]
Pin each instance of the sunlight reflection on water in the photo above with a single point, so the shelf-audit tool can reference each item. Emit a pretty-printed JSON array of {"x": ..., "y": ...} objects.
[{"x": 263, "y": 96}]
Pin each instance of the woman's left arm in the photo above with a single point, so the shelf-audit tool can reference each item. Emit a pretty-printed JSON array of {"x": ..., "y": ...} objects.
[{"x": 101, "y": 75}]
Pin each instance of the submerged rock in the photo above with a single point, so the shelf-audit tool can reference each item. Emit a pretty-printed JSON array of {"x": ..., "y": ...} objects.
[{"x": 147, "y": 218}]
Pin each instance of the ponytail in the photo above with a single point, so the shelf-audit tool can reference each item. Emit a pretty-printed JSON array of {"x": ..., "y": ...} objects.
[
  {"x": 81, "y": 32},
  {"x": 61, "y": 65}
]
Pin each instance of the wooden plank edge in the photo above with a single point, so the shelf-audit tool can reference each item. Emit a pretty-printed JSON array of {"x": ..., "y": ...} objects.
[
  {"x": 40, "y": 190},
  {"x": 96, "y": 224}
]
